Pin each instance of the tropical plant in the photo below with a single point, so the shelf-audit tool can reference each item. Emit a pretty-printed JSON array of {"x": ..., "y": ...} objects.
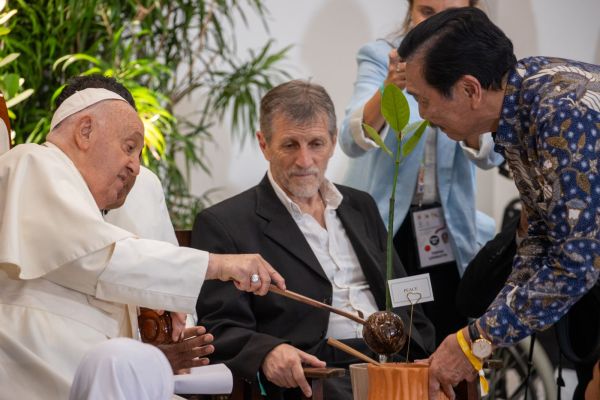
[
  {"x": 396, "y": 112},
  {"x": 165, "y": 52},
  {"x": 11, "y": 85}
]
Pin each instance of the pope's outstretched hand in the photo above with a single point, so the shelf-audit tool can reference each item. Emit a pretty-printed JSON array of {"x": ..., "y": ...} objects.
[{"x": 249, "y": 272}]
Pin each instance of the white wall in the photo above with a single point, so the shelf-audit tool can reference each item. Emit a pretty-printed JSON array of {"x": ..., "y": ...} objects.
[
  {"x": 568, "y": 29},
  {"x": 326, "y": 35}
]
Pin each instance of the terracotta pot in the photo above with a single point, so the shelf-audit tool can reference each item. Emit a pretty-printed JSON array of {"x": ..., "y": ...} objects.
[
  {"x": 360, "y": 381},
  {"x": 399, "y": 381}
]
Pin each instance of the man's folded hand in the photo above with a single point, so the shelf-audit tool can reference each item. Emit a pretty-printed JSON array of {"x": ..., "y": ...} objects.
[{"x": 191, "y": 351}]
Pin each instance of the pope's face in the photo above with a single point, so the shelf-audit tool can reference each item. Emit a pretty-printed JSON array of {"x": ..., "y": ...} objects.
[
  {"x": 122, "y": 195},
  {"x": 453, "y": 114},
  {"x": 113, "y": 159},
  {"x": 298, "y": 155}
]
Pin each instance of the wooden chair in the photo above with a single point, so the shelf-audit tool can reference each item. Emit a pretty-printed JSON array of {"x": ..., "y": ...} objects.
[{"x": 5, "y": 142}]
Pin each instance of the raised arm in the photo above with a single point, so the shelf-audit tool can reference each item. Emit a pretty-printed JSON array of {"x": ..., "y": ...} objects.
[{"x": 374, "y": 67}]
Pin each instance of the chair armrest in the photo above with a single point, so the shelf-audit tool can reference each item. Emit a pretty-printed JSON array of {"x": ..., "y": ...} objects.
[
  {"x": 323, "y": 373},
  {"x": 184, "y": 237}
]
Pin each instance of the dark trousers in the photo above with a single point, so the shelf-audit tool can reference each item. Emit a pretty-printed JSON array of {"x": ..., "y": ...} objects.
[{"x": 444, "y": 281}]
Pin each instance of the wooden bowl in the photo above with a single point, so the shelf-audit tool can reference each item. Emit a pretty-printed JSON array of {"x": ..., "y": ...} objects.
[
  {"x": 155, "y": 329},
  {"x": 384, "y": 333}
]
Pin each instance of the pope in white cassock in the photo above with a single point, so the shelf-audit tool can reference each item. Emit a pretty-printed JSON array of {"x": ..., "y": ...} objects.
[{"x": 66, "y": 275}]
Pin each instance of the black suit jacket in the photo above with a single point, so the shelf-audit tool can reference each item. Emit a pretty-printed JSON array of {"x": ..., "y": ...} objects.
[{"x": 246, "y": 327}]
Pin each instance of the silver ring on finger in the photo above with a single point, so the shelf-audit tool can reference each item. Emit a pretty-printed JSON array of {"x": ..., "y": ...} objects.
[{"x": 254, "y": 278}]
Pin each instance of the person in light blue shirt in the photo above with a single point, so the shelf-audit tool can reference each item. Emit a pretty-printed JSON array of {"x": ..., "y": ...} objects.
[{"x": 438, "y": 173}]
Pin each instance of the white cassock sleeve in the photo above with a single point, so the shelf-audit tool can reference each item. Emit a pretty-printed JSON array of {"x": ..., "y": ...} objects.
[{"x": 148, "y": 273}]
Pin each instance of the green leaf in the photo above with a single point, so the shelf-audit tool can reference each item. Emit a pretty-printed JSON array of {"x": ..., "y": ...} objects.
[
  {"x": 57, "y": 93},
  {"x": 19, "y": 98},
  {"x": 411, "y": 128},
  {"x": 6, "y": 60},
  {"x": 394, "y": 107},
  {"x": 411, "y": 143},
  {"x": 10, "y": 84},
  {"x": 4, "y": 31},
  {"x": 4, "y": 17},
  {"x": 91, "y": 71},
  {"x": 376, "y": 138},
  {"x": 72, "y": 58}
]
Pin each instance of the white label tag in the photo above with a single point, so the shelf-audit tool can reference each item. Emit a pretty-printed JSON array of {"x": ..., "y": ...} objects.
[
  {"x": 410, "y": 290},
  {"x": 432, "y": 237}
]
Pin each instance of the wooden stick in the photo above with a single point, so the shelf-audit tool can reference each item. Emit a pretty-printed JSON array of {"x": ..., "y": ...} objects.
[
  {"x": 345, "y": 348},
  {"x": 315, "y": 303}
]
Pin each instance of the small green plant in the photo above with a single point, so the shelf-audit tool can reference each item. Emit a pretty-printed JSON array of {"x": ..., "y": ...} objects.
[{"x": 395, "y": 110}]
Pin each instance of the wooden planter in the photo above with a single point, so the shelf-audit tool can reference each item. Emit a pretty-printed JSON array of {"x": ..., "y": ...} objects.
[{"x": 391, "y": 381}]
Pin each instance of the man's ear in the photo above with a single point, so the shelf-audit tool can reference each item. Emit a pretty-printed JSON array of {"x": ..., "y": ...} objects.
[
  {"x": 472, "y": 90},
  {"x": 83, "y": 132},
  {"x": 262, "y": 142}
]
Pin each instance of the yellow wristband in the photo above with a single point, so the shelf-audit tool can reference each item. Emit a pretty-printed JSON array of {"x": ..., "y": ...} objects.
[{"x": 475, "y": 362}]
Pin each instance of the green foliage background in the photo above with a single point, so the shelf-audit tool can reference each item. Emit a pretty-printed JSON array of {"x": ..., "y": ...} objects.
[{"x": 163, "y": 51}]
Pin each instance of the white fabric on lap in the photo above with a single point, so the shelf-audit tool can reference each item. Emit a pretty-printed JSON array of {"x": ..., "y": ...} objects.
[{"x": 123, "y": 369}]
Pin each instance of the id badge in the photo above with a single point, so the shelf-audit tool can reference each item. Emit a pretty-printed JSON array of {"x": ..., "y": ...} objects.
[{"x": 433, "y": 239}]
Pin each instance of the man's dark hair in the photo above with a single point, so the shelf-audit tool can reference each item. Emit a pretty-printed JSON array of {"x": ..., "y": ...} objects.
[
  {"x": 458, "y": 42},
  {"x": 79, "y": 83},
  {"x": 301, "y": 102}
]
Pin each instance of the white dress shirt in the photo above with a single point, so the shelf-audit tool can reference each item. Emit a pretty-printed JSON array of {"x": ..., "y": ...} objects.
[{"x": 337, "y": 257}]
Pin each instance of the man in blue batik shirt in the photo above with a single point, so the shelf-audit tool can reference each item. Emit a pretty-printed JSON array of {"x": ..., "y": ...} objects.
[{"x": 546, "y": 114}]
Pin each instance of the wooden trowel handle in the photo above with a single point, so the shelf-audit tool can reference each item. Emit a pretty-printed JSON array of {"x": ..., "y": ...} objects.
[{"x": 311, "y": 302}]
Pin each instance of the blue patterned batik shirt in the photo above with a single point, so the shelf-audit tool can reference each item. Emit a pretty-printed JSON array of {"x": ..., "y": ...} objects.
[{"x": 549, "y": 133}]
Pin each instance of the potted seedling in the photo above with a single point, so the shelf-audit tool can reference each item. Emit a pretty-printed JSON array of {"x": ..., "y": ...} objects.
[{"x": 396, "y": 381}]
